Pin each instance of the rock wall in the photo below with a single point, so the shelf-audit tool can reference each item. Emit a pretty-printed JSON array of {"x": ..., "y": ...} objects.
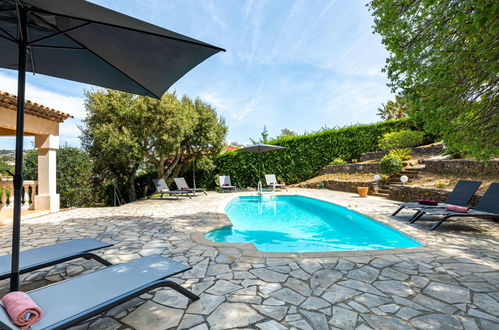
[
  {"x": 357, "y": 168},
  {"x": 417, "y": 152},
  {"x": 348, "y": 186},
  {"x": 406, "y": 193},
  {"x": 351, "y": 168},
  {"x": 462, "y": 166}
]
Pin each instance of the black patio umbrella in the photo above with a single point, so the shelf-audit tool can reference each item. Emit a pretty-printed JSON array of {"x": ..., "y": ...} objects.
[
  {"x": 84, "y": 42},
  {"x": 259, "y": 148}
]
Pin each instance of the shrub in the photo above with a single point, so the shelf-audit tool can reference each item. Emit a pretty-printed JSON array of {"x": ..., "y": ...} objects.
[
  {"x": 401, "y": 139},
  {"x": 337, "y": 161},
  {"x": 391, "y": 165},
  {"x": 75, "y": 179},
  {"x": 404, "y": 154},
  {"x": 305, "y": 155}
]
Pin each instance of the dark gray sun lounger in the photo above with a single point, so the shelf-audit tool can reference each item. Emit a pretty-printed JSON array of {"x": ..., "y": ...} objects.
[
  {"x": 71, "y": 301},
  {"x": 162, "y": 188},
  {"x": 461, "y": 195},
  {"x": 487, "y": 207},
  {"x": 50, "y": 255},
  {"x": 181, "y": 184}
]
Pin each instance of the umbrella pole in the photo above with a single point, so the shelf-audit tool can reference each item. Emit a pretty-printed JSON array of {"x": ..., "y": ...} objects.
[
  {"x": 194, "y": 172},
  {"x": 259, "y": 167},
  {"x": 18, "y": 176}
]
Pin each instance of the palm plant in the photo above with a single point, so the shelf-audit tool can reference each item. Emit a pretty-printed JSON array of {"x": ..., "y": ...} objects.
[{"x": 394, "y": 110}]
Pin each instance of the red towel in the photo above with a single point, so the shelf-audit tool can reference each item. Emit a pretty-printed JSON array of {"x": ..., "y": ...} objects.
[
  {"x": 22, "y": 310},
  {"x": 185, "y": 188},
  {"x": 225, "y": 185},
  {"x": 455, "y": 208},
  {"x": 272, "y": 183},
  {"x": 428, "y": 202}
]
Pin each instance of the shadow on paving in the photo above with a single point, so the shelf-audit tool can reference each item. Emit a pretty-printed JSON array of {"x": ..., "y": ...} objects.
[{"x": 131, "y": 233}]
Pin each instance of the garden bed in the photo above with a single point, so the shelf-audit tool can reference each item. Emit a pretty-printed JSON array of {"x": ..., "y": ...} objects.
[
  {"x": 417, "y": 152},
  {"x": 447, "y": 181},
  {"x": 341, "y": 182}
]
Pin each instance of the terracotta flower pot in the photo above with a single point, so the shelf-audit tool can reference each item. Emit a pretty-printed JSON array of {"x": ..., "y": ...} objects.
[{"x": 362, "y": 191}]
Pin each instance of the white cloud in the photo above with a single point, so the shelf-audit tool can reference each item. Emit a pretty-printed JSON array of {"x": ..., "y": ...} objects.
[{"x": 232, "y": 108}]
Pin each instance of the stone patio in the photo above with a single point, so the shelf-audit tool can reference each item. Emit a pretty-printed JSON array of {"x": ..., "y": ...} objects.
[{"x": 451, "y": 283}]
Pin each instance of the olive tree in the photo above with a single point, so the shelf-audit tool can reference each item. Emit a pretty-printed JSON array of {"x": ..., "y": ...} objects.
[{"x": 124, "y": 133}]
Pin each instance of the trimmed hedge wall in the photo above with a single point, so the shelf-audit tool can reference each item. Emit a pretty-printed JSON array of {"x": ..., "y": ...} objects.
[{"x": 305, "y": 155}]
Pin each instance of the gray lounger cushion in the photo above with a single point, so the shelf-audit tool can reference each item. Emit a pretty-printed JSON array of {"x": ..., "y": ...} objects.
[
  {"x": 49, "y": 255},
  {"x": 66, "y": 300}
]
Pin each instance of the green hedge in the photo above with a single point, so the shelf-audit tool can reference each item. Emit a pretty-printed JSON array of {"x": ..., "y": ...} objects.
[{"x": 305, "y": 155}]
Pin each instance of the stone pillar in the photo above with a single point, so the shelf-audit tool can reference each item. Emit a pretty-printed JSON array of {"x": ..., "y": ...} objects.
[{"x": 47, "y": 197}]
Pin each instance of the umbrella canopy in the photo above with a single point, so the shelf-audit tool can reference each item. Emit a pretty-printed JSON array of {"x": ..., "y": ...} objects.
[
  {"x": 84, "y": 42},
  {"x": 259, "y": 148}
]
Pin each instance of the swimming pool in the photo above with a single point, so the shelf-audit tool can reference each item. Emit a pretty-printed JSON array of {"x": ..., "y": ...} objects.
[{"x": 302, "y": 224}]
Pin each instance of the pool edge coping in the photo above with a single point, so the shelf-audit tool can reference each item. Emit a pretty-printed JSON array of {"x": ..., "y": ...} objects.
[{"x": 249, "y": 249}]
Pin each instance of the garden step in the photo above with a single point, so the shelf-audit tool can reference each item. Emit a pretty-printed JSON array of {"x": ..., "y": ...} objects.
[
  {"x": 379, "y": 194},
  {"x": 409, "y": 174},
  {"x": 384, "y": 191}
]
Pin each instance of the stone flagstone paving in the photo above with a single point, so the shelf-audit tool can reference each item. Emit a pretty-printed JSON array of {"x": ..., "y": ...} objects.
[{"x": 451, "y": 284}]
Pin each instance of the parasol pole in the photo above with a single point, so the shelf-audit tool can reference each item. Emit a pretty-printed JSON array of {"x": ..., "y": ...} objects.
[{"x": 18, "y": 175}]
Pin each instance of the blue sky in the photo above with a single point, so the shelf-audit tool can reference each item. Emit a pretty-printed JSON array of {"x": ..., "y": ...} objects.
[{"x": 299, "y": 65}]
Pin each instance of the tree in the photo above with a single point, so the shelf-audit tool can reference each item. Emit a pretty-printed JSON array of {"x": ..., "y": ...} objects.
[
  {"x": 287, "y": 132},
  {"x": 444, "y": 56},
  {"x": 125, "y": 133},
  {"x": 75, "y": 178},
  {"x": 164, "y": 124},
  {"x": 205, "y": 141},
  {"x": 4, "y": 167},
  {"x": 394, "y": 110},
  {"x": 30, "y": 165},
  {"x": 113, "y": 134},
  {"x": 264, "y": 136}
]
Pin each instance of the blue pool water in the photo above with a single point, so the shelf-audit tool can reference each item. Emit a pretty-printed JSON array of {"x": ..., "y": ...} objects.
[{"x": 302, "y": 224}]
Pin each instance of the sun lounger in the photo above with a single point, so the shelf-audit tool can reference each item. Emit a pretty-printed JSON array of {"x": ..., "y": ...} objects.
[
  {"x": 487, "y": 206},
  {"x": 71, "y": 301},
  {"x": 50, "y": 255},
  {"x": 225, "y": 183},
  {"x": 272, "y": 182},
  {"x": 162, "y": 188},
  {"x": 182, "y": 185},
  {"x": 461, "y": 195}
]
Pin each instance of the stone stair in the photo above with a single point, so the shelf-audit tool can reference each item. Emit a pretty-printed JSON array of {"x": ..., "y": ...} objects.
[{"x": 410, "y": 172}]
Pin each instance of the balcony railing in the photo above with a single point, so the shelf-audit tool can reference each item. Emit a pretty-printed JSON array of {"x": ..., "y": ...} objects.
[{"x": 7, "y": 193}]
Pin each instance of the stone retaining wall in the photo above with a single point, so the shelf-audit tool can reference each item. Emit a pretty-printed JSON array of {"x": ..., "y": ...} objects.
[
  {"x": 351, "y": 168},
  {"x": 358, "y": 167},
  {"x": 348, "y": 186},
  {"x": 461, "y": 166},
  {"x": 417, "y": 152},
  {"x": 406, "y": 193}
]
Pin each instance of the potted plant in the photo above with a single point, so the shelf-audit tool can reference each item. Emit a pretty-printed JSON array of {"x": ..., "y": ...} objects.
[{"x": 362, "y": 191}]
